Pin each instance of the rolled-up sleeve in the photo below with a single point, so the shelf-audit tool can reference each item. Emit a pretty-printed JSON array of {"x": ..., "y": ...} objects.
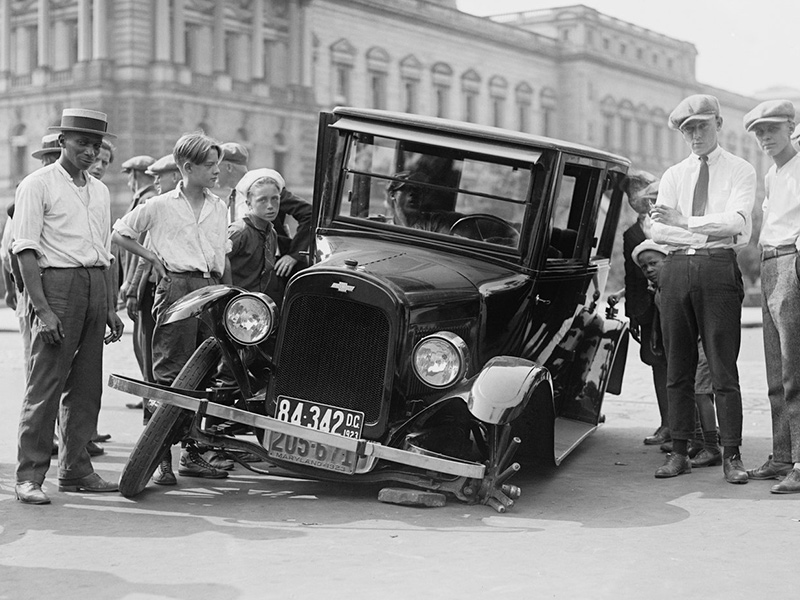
[
  {"x": 668, "y": 195},
  {"x": 29, "y": 210},
  {"x": 134, "y": 223}
]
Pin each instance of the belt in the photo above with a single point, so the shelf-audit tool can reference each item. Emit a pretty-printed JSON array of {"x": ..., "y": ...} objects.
[
  {"x": 704, "y": 252},
  {"x": 195, "y": 274},
  {"x": 768, "y": 253}
]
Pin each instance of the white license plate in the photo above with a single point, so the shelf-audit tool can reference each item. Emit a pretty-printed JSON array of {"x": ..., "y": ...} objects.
[{"x": 314, "y": 454}]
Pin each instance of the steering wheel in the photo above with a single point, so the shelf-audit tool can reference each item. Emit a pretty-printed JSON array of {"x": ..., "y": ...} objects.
[{"x": 486, "y": 228}]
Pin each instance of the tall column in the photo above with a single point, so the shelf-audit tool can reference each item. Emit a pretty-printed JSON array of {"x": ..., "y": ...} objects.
[
  {"x": 43, "y": 23},
  {"x": 5, "y": 36},
  {"x": 179, "y": 33},
  {"x": 295, "y": 43},
  {"x": 84, "y": 30},
  {"x": 163, "y": 42},
  {"x": 257, "y": 45},
  {"x": 218, "y": 38},
  {"x": 100, "y": 27}
]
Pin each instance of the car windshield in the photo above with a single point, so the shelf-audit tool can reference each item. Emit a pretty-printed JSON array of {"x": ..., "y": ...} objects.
[{"x": 396, "y": 183}]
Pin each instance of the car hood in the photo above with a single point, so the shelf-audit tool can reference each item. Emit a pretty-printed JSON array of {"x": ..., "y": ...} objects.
[{"x": 420, "y": 274}]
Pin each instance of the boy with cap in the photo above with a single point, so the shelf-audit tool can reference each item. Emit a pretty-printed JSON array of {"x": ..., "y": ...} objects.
[
  {"x": 253, "y": 238},
  {"x": 104, "y": 158},
  {"x": 61, "y": 238},
  {"x": 703, "y": 214},
  {"x": 187, "y": 250},
  {"x": 773, "y": 124}
]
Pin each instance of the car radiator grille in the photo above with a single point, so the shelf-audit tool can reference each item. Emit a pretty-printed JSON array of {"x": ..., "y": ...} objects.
[{"x": 334, "y": 352}]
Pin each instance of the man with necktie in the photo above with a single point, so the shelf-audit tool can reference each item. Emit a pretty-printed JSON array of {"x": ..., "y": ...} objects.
[{"x": 703, "y": 215}]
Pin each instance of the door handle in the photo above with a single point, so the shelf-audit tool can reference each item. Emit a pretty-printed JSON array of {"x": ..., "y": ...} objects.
[{"x": 539, "y": 300}]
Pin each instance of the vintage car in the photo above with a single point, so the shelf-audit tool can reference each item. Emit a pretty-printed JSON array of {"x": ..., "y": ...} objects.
[{"x": 450, "y": 317}]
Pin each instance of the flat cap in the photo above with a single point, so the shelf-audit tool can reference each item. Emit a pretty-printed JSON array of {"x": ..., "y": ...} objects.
[
  {"x": 235, "y": 153},
  {"x": 699, "y": 107},
  {"x": 165, "y": 164},
  {"x": 49, "y": 146},
  {"x": 771, "y": 111},
  {"x": 137, "y": 163},
  {"x": 645, "y": 246}
]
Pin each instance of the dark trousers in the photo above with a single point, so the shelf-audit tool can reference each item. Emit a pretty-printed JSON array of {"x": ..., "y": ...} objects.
[
  {"x": 174, "y": 343},
  {"x": 702, "y": 295},
  {"x": 66, "y": 379}
]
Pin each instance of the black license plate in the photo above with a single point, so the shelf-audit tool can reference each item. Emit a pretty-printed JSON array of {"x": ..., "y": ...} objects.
[{"x": 330, "y": 419}]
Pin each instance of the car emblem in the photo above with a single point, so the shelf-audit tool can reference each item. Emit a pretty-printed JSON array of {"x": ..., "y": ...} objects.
[{"x": 341, "y": 286}]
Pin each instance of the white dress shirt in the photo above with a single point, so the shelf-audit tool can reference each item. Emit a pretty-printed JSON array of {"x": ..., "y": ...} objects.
[
  {"x": 66, "y": 225},
  {"x": 182, "y": 242},
  {"x": 731, "y": 196},
  {"x": 781, "y": 224}
]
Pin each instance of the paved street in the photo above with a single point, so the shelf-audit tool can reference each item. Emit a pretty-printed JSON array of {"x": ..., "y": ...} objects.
[{"x": 599, "y": 526}]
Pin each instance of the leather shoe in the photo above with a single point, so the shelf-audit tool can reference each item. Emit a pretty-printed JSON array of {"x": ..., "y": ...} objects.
[
  {"x": 164, "y": 474},
  {"x": 660, "y": 436},
  {"x": 101, "y": 437},
  {"x": 734, "y": 469},
  {"x": 91, "y": 483},
  {"x": 675, "y": 465},
  {"x": 94, "y": 450},
  {"x": 666, "y": 447},
  {"x": 790, "y": 484},
  {"x": 707, "y": 458},
  {"x": 30, "y": 492},
  {"x": 772, "y": 469}
]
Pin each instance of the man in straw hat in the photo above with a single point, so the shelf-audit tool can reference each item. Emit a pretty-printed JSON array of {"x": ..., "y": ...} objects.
[{"x": 62, "y": 239}]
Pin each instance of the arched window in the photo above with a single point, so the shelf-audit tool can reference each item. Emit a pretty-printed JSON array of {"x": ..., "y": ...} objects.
[
  {"x": 470, "y": 90},
  {"x": 343, "y": 56},
  {"x": 410, "y": 75},
  {"x": 377, "y": 73},
  {"x": 548, "y": 102},
  {"x": 442, "y": 79},
  {"x": 498, "y": 90},
  {"x": 523, "y": 94}
]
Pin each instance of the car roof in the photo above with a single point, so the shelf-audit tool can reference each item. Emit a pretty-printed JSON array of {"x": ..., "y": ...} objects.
[{"x": 450, "y": 127}]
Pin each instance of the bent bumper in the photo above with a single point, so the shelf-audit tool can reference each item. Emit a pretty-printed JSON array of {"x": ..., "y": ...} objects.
[{"x": 361, "y": 447}]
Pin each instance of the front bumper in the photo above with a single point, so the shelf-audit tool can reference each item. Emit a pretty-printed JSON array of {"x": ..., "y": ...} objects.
[{"x": 199, "y": 403}]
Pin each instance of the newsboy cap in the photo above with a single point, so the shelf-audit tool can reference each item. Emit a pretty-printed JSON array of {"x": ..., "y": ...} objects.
[
  {"x": 235, "y": 153},
  {"x": 699, "y": 107},
  {"x": 137, "y": 163},
  {"x": 645, "y": 246},
  {"x": 165, "y": 164},
  {"x": 771, "y": 111},
  {"x": 84, "y": 120},
  {"x": 49, "y": 146}
]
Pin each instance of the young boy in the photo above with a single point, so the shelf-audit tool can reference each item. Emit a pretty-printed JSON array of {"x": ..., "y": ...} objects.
[
  {"x": 253, "y": 238},
  {"x": 188, "y": 244},
  {"x": 773, "y": 123},
  {"x": 704, "y": 451}
]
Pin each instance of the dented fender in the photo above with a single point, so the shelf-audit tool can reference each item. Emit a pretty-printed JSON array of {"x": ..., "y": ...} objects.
[
  {"x": 501, "y": 391},
  {"x": 193, "y": 303}
]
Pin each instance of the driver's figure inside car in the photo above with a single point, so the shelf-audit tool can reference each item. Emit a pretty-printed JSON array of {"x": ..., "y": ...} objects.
[{"x": 412, "y": 205}]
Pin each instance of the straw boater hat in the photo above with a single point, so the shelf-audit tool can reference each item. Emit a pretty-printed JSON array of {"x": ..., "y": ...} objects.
[
  {"x": 49, "y": 146},
  {"x": 85, "y": 120}
]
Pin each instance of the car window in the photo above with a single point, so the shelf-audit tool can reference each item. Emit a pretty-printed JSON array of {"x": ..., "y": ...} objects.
[
  {"x": 442, "y": 191},
  {"x": 576, "y": 191}
]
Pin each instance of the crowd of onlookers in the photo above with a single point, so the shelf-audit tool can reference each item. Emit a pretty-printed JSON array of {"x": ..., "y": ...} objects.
[{"x": 199, "y": 216}]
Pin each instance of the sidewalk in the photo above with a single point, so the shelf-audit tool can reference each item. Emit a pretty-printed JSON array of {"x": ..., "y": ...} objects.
[{"x": 751, "y": 317}]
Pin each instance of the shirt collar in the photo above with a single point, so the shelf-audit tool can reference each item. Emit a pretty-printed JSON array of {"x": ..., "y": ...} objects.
[
  {"x": 258, "y": 223},
  {"x": 68, "y": 177},
  {"x": 713, "y": 156}
]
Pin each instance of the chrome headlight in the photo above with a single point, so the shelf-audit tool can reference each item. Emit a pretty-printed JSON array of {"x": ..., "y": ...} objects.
[
  {"x": 440, "y": 360},
  {"x": 250, "y": 318}
]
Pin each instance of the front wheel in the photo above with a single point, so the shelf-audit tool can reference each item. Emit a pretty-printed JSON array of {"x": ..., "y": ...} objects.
[{"x": 167, "y": 422}]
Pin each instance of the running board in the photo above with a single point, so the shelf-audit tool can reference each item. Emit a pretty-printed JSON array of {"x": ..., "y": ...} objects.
[
  {"x": 568, "y": 435},
  {"x": 362, "y": 447}
]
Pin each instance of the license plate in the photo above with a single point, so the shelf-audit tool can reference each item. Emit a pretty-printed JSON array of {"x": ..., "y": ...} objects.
[
  {"x": 330, "y": 419},
  {"x": 314, "y": 454},
  {"x": 322, "y": 417}
]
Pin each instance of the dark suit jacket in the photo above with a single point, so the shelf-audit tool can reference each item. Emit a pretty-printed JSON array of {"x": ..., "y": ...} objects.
[
  {"x": 297, "y": 246},
  {"x": 638, "y": 301}
]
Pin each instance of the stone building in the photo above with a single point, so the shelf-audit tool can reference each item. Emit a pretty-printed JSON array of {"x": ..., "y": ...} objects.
[{"x": 258, "y": 71}]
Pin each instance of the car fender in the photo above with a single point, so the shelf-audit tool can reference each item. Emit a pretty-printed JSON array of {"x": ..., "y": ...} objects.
[
  {"x": 503, "y": 388},
  {"x": 193, "y": 303}
]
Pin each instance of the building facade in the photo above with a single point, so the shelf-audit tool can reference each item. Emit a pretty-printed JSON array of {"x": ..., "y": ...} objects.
[{"x": 259, "y": 71}]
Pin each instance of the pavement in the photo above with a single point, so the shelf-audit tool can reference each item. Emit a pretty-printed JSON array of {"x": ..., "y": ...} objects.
[{"x": 751, "y": 317}]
